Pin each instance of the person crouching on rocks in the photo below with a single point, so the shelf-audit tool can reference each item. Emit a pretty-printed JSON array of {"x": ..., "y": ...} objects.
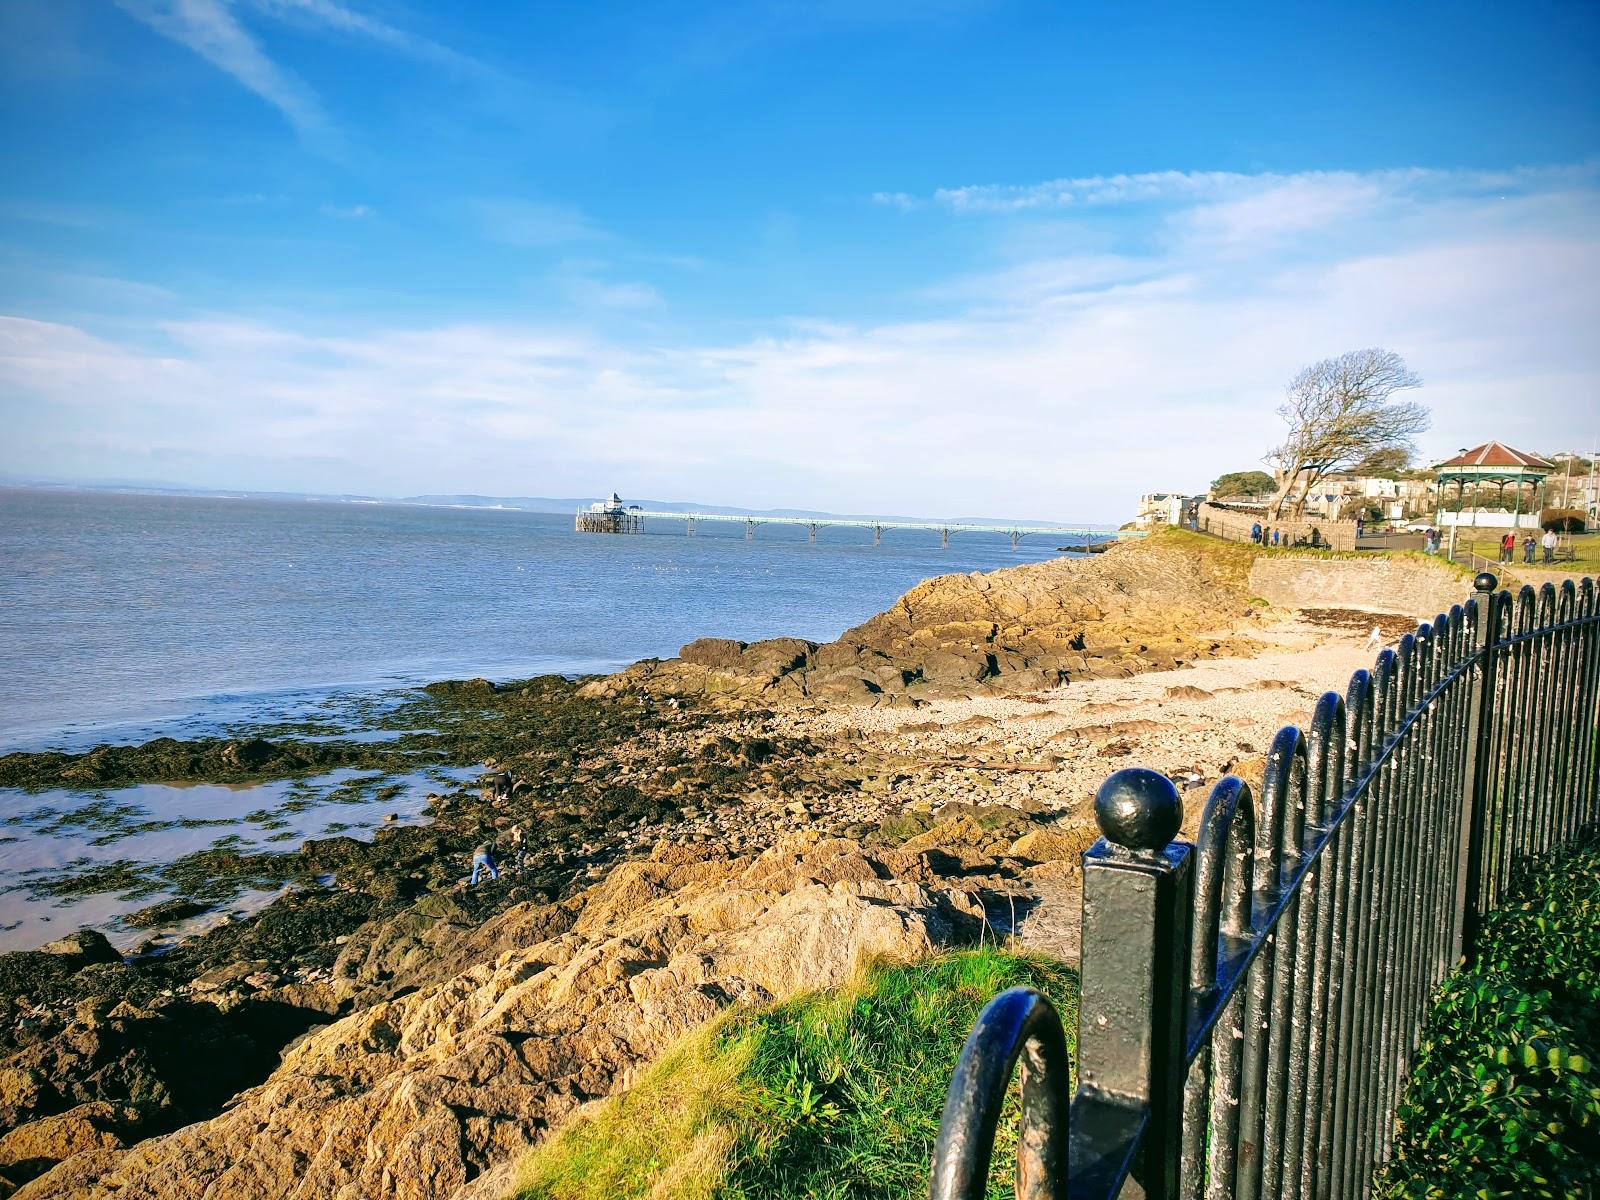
[
  {"x": 519, "y": 846},
  {"x": 483, "y": 860}
]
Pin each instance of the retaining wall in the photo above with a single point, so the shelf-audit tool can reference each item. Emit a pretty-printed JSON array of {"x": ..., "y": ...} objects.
[
  {"x": 1235, "y": 524},
  {"x": 1411, "y": 587}
]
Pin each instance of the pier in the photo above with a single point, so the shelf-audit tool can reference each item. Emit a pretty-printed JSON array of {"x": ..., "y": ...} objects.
[{"x": 612, "y": 517}]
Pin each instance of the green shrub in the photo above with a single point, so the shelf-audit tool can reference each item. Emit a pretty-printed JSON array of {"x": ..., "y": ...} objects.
[{"x": 1505, "y": 1098}]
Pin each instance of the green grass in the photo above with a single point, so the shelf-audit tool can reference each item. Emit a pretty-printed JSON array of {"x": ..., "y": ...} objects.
[
  {"x": 830, "y": 1096},
  {"x": 1586, "y": 545},
  {"x": 1237, "y": 556},
  {"x": 1505, "y": 1098}
]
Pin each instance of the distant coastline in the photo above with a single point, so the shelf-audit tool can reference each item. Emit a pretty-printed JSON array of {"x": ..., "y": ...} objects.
[{"x": 535, "y": 504}]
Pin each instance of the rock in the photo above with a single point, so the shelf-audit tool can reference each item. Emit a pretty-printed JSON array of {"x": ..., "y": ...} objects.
[
  {"x": 944, "y": 666},
  {"x": 1016, "y": 631},
  {"x": 424, "y": 1093},
  {"x": 775, "y": 657},
  {"x": 82, "y": 948},
  {"x": 168, "y": 912},
  {"x": 461, "y": 689},
  {"x": 251, "y": 755},
  {"x": 34, "y": 1148},
  {"x": 1052, "y": 845},
  {"x": 712, "y": 652},
  {"x": 222, "y": 978}
]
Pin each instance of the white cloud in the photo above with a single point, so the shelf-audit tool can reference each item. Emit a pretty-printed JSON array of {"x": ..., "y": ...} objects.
[
  {"x": 209, "y": 29},
  {"x": 1058, "y": 386}
]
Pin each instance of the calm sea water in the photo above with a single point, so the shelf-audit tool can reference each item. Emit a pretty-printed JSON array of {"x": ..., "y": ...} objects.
[
  {"x": 122, "y": 617},
  {"x": 125, "y": 615}
]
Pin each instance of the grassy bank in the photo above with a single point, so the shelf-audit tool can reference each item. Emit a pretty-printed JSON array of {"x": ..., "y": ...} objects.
[
  {"x": 1586, "y": 547},
  {"x": 1236, "y": 557},
  {"x": 1505, "y": 1099},
  {"x": 829, "y": 1096}
]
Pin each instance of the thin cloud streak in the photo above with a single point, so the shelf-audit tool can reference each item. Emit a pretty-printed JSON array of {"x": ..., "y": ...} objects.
[
  {"x": 209, "y": 29},
  {"x": 1196, "y": 186}
]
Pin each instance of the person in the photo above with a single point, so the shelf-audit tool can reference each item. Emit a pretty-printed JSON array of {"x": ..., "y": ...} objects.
[
  {"x": 1375, "y": 639},
  {"x": 1361, "y": 527},
  {"x": 1508, "y": 547},
  {"x": 1527, "y": 549},
  {"x": 1274, "y": 537},
  {"x": 519, "y": 846},
  {"x": 1548, "y": 541},
  {"x": 483, "y": 860},
  {"x": 1255, "y": 533}
]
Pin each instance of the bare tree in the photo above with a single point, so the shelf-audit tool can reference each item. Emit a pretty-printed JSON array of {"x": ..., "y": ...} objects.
[{"x": 1339, "y": 412}]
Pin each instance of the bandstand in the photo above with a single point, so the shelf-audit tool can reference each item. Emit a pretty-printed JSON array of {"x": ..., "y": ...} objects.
[{"x": 1492, "y": 465}]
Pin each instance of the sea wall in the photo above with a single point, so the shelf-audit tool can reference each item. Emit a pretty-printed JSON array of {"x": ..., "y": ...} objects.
[
  {"x": 1236, "y": 524},
  {"x": 1409, "y": 586}
]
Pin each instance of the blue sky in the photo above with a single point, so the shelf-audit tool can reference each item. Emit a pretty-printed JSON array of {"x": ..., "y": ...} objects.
[{"x": 944, "y": 257}]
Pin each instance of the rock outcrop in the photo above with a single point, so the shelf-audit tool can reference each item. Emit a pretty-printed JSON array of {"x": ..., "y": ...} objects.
[
  {"x": 420, "y": 1094},
  {"x": 1139, "y": 607}
]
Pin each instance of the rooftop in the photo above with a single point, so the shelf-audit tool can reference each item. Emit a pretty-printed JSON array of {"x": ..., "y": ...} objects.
[{"x": 1497, "y": 454}]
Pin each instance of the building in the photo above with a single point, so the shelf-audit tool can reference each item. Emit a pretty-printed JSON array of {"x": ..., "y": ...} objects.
[
  {"x": 610, "y": 516},
  {"x": 1160, "y": 508},
  {"x": 1495, "y": 487}
]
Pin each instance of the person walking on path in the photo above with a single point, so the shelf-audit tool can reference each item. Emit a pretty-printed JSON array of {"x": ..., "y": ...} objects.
[
  {"x": 1255, "y": 533},
  {"x": 1548, "y": 541},
  {"x": 1508, "y": 547},
  {"x": 1527, "y": 549},
  {"x": 483, "y": 860}
]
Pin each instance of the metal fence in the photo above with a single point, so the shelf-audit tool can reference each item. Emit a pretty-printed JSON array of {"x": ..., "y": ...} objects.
[{"x": 1250, "y": 1004}]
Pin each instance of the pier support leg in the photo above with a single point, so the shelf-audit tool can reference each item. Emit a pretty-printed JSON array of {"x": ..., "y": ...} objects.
[
  {"x": 749, "y": 531},
  {"x": 813, "y": 534},
  {"x": 1016, "y": 541},
  {"x": 944, "y": 538},
  {"x": 688, "y": 527},
  {"x": 877, "y": 535}
]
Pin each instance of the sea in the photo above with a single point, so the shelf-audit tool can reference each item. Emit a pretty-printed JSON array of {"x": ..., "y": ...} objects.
[
  {"x": 129, "y": 616},
  {"x": 122, "y": 615}
]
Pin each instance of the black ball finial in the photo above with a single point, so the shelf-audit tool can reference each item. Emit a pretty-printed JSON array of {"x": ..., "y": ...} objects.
[
  {"x": 1139, "y": 809},
  {"x": 1485, "y": 582}
]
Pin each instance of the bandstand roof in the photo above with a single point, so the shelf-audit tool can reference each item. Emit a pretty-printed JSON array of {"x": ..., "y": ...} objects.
[{"x": 1494, "y": 458}]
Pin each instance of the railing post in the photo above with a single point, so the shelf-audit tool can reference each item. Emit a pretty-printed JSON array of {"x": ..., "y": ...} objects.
[
  {"x": 1479, "y": 773},
  {"x": 1137, "y": 904}
]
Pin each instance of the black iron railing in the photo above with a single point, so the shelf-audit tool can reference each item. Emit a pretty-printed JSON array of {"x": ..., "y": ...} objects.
[{"x": 1250, "y": 1004}]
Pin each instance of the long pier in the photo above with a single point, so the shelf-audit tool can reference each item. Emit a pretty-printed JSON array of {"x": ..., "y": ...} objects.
[{"x": 945, "y": 529}]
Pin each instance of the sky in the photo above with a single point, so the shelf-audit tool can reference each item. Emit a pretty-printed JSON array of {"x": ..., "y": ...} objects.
[{"x": 1011, "y": 258}]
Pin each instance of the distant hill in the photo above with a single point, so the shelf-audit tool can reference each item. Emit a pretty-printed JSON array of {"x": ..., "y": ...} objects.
[
  {"x": 572, "y": 504},
  {"x": 537, "y": 504}
]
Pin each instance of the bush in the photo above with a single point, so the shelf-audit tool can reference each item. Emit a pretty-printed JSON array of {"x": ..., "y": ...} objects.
[{"x": 1505, "y": 1098}]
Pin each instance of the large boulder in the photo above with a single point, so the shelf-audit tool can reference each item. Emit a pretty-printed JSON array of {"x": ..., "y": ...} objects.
[{"x": 716, "y": 652}]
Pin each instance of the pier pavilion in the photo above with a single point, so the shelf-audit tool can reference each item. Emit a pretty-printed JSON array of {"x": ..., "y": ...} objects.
[{"x": 610, "y": 516}]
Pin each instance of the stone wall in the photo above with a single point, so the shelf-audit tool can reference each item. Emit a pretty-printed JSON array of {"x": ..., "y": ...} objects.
[
  {"x": 1235, "y": 525},
  {"x": 1412, "y": 587}
]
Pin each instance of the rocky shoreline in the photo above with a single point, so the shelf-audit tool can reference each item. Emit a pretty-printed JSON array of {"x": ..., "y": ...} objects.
[{"x": 772, "y": 812}]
